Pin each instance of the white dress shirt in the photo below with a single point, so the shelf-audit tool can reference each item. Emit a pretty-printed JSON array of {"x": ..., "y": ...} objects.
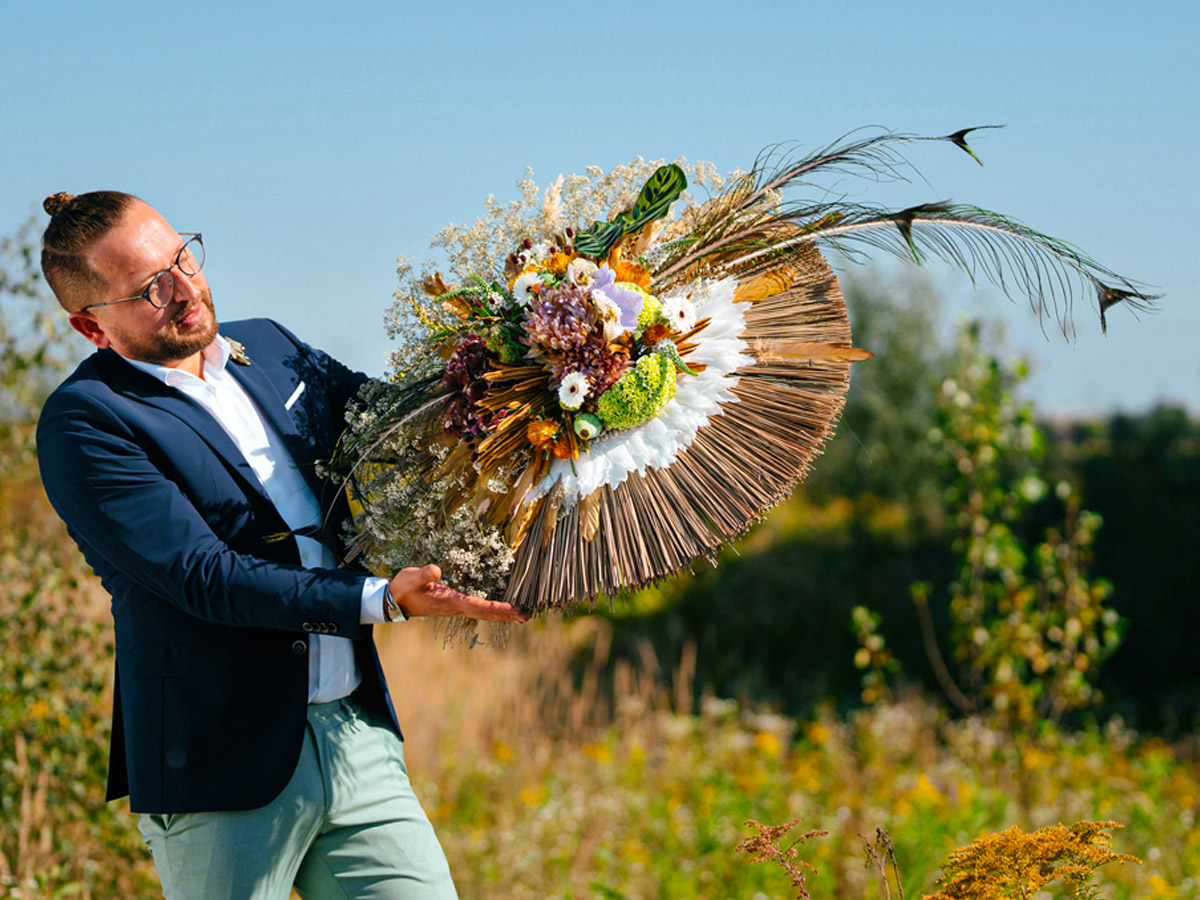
[{"x": 332, "y": 670}]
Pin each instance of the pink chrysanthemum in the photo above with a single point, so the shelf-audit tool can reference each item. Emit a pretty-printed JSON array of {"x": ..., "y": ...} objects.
[
  {"x": 560, "y": 319},
  {"x": 594, "y": 361}
]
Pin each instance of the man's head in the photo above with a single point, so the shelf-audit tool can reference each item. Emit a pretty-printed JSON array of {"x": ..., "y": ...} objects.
[{"x": 106, "y": 246}]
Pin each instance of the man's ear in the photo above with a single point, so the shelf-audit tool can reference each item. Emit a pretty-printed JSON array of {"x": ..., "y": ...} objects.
[{"x": 87, "y": 325}]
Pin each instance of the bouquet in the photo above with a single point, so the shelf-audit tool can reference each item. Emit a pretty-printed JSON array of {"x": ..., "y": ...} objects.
[{"x": 619, "y": 379}]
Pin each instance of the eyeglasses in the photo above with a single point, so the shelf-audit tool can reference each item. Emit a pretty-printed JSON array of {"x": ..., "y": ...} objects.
[{"x": 161, "y": 290}]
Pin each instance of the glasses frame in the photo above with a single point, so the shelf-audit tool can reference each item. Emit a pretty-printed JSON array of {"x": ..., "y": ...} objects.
[{"x": 191, "y": 238}]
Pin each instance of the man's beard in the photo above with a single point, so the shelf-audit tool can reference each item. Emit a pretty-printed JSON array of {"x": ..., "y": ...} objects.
[{"x": 170, "y": 346}]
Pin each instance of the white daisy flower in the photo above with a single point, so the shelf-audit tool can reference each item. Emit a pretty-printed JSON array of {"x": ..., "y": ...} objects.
[
  {"x": 572, "y": 390},
  {"x": 680, "y": 312},
  {"x": 522, "y": 290}
]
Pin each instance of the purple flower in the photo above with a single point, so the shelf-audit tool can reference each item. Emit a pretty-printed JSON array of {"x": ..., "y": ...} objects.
[{"x": 628, "y": 303}]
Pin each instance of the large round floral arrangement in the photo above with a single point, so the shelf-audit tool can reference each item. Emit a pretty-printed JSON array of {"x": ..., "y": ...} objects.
[{"x": 618, "y": 378}]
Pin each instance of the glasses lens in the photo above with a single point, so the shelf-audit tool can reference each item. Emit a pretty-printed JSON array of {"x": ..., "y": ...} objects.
[
  {"x": 191, "y": 257},
  {"x": 162, "y": 289}
]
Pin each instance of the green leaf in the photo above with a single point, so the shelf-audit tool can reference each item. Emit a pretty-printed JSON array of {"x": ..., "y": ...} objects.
[
  {"x": 659, "y": 192},
  {"x": 597, "y": 240}
]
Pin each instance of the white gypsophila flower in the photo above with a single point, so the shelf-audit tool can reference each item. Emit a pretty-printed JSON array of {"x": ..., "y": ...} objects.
[
  {"x": 523, "y": 288},
  {"x": 406, "y": 520},
  {"x": 680, "y": 312},
  {"x": 572, "y": 390},
  {"x": 582, "y": 271}
]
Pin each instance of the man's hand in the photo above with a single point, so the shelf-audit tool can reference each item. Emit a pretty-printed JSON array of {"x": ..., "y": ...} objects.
[{"x": 420, "y": 593}]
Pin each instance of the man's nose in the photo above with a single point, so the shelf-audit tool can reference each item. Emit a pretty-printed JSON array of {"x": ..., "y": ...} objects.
[{"x": 185, "y": 286}]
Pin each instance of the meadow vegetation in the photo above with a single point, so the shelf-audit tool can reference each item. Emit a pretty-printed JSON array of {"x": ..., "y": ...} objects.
[{"x": 623, "y": 754}]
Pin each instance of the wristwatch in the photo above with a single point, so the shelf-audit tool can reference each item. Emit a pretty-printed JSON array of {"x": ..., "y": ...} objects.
[{"x": 392, "y": 611}]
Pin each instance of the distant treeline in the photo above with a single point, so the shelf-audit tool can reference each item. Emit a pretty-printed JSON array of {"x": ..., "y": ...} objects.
[{"x": 772, "y": 622}]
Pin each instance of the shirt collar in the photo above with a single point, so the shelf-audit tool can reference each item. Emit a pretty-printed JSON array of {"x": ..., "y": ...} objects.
[{"x": 214, "y": 358}]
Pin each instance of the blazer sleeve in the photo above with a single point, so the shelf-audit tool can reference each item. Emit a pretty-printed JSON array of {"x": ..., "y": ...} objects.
[{"x": 137, "y": 527}]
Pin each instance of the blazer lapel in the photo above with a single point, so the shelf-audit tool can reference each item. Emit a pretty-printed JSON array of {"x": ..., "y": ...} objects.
[
  {"x": 270, "y": 395},
  {"x": 147, "y": 389},
  {"x": 271, "y": 404}
]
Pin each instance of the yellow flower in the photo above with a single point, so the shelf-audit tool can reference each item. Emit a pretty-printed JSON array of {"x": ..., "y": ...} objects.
[
  {"x": 767, "y": 743},
  {"x": 599, "y": 753},
  {"x": 1161, "y": 887},
  {"x": 926, "y": 792},
  {"x": 817, "y": 733},
  {"x": 530, "y": 797}
]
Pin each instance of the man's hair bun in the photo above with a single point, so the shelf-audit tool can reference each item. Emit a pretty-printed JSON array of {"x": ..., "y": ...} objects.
[{"x": 55, "y": 202}]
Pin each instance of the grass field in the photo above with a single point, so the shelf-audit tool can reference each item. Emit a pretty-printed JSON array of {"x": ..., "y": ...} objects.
[{"x": 616, "y": 787}]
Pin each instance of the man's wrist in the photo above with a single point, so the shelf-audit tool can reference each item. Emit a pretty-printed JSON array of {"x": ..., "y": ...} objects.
[{"x": 392, "y": 611}]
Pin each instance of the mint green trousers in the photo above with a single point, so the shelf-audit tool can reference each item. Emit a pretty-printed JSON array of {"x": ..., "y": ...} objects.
[{"x": 346, "y": 826}]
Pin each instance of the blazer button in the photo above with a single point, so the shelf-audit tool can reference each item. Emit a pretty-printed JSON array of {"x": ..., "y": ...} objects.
[
  {"x": 307, "y": 626},
  {"x": 299, "y": 647},
  {"x": 333, "y": 628}
]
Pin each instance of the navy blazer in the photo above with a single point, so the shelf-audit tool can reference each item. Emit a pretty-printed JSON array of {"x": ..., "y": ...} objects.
[{"x": 212, "y": 612}]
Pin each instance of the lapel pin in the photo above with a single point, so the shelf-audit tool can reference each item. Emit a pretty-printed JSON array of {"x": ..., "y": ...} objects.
[{"x": 237, "y": 352}]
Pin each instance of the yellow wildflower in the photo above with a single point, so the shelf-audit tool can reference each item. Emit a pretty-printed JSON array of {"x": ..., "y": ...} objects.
[
  {"x": 599, "y": 753},
  {"x": 767, "y": 743}
]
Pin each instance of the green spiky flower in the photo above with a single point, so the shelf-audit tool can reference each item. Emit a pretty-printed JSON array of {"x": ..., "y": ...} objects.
[
  {"x": 651, "y": 309},
  {"x": 639, "y": 395}
]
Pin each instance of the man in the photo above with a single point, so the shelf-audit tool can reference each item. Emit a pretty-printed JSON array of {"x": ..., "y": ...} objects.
[{"x": 252, "y": 726}]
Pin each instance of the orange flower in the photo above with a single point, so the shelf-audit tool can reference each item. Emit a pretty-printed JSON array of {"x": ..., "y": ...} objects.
[
  {"x": 541, "y": 433},
  {"x": 654, "y": 333},
  {"x": 562, "y": 449},
  {"x": 557, "y": 264},
  {"x": 633, "y": 273}
]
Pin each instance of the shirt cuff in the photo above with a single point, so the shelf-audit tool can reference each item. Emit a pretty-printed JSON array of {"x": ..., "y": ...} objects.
[{"x": 372, "y": 601}]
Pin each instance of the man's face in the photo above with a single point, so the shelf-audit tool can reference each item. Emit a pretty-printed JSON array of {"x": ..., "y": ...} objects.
[{"x": 128, "y": 257}]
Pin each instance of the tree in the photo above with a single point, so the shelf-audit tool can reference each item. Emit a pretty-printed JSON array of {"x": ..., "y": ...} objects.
[{"x": 1030, "y": 628}]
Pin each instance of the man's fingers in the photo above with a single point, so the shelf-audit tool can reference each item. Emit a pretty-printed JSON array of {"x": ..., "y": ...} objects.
[
  {"x": 460, "y": 604},
  {"x": 422, "y": 593},
  {"x": 495, "y": 611}
]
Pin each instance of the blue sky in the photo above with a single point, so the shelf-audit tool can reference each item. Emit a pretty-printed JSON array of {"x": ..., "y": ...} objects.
[{"x": 313, "y": 143}]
